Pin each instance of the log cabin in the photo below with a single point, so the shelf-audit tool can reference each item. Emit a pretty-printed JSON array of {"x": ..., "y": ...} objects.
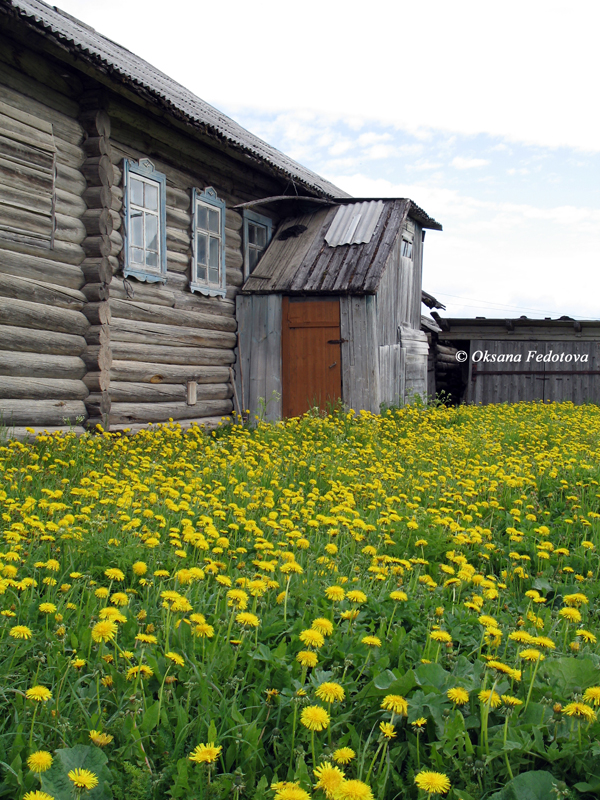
[{"x": 132, "y": 213}]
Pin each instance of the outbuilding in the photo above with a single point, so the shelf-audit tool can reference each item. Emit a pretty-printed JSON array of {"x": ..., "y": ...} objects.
[
  {"x": 510, "y": 360},
  {"x": 333, "y": 309}
]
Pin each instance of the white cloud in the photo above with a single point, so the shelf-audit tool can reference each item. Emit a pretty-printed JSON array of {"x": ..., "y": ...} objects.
[
  {"x": 483, "y": 67},
  {"x": 460, "y": 162},
  {"x": 373, "y": 138},
  {"x": 518, "y": 254}
]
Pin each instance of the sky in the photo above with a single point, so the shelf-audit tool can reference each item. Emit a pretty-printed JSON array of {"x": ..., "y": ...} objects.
[{"x": 485, "y": 114}]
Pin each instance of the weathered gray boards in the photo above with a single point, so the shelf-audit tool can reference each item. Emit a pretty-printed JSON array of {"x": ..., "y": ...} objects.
[
  {"x": 367, "y": 255},
  {"x": 120, "y": 308},
  {"x": 511, "y": 360}
]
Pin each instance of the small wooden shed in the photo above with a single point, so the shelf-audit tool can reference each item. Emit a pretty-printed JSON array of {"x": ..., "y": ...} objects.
[
  {"x": 333, "y": 309},
  {"x": 510, "y": 360}
]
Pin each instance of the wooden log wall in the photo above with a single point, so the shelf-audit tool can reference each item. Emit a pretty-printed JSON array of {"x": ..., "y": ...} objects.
[
  {"x": 154, "y": 351},
  {"x": 42, "y": 324}
]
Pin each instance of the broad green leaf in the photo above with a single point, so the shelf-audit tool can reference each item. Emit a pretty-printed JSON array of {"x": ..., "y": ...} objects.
[
  {"x": 534, "y": 785},
  {"x": 150, "y": 718}
]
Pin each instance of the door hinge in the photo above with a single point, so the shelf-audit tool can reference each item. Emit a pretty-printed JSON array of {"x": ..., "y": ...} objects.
[{"x": 337, "y": 341}]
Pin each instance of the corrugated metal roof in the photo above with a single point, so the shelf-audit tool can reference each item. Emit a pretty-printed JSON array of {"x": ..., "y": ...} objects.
[
  {"x": 307, "y": 264},
  {"x": 354, "y": 223},
  {"x": 133, "y": 70}
]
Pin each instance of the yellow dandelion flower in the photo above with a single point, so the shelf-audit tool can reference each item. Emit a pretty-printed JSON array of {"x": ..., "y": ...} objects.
[
  {"x": 335, "y": 593},
  {"x": 356, "y": 596},
  {"x": 307, "y": 658},
  {"x": 570, "y": 614},
  {"x": 329, "y": 779},
  {"x": 205, "y": 753},
  {"x": 40, "y": 761},
  {"x": 344, "y": 755},
  {"x": 440, "y": 636},
  {"x": 175, "y": 658},
  {"x": 247, "y": 619},
  {"x": 511, "y": 702},
  {"x": 38, "y": 795},
  {"x": 101, "y": 739},
  {"x": 580, "y": 710},
  {"x": 387, "y": 729},
  {"x": 396, "y": 704},
  {"x": 458, "y": 696},
  {"x": 104, "y": 631},
  {"x": 83, "y": 779},
  {"x": 315, "y": 718},
  {"x": 322, "y": 626},
  {"x": 20, "y": 632},
  {"x": 312, "y": 638},
  {"x": 38, "y": 693},
  {"x": 530, "y": 654},
  {"x": 330, "y": 692},
  {"x": 433, "y": 782},
  {"x": 487, "y": 697},
  {"x": 114, "y": 574},
  {"x": 354, "y": 790},
  {"x": 371, "y": 641}
]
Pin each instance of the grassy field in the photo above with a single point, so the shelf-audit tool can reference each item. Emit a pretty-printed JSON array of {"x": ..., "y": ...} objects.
[{"x": 348, "y": 607}]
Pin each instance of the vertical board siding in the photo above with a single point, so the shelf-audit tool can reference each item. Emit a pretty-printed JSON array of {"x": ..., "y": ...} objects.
[
  {"x": 528, "y": 380},
  {"x": 391, "y": 374},
  {"x": 259, "y": 354},
  {"x": 360, "y": 355}
]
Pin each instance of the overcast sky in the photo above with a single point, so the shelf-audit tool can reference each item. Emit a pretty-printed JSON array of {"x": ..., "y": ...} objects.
[{"x": 486, "y": 115}]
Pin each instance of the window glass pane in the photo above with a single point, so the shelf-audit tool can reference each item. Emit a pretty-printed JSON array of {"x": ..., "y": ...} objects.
[
  {"x": 251, "y": 233},
  {"x": 261, "y": 236},
  {"x": 202, "y": 218},
  {"x": 253, "y": 256},
  {"x": 137, "y": 255},
  {"x": 202, "y": 274},
  {"x": 137, "y": 192},
  {"x": 137, "y": 232},
  {"x": 213, "y": 258},
  {"x": 202, "y": 249},
  {"x": 151, "y": 258},
  {"x": 151, "y": 196},
  {"x": 213, "y": 220},
  {"x": 213, "y": 275},
  {"x": 151, "y": 232}
]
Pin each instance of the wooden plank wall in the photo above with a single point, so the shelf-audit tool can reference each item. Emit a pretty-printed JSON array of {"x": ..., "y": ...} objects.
[
  {"x": 513, "y": 382},
  {"x": 360, "y": 356},
  {"x": 258, "y": 369},
  {"x": 402, "y": 374},
  {"x": 42, "y": 327}
]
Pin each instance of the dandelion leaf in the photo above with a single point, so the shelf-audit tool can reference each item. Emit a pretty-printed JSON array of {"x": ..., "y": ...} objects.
[
  {"x": 534, "y": 785},
  {"x": 56, "y": 780},
  {"x": 567, "y": 675}
]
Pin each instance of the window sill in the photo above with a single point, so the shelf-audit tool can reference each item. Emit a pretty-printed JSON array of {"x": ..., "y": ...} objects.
[
  {"x": 150, "y": 277},
  {"x": 207, "y": 290}
]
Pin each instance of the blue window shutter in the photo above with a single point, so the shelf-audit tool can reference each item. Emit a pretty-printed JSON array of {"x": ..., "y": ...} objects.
[
  {"x": 145, "y": 169},
  {"x": 208, "y": 197}
]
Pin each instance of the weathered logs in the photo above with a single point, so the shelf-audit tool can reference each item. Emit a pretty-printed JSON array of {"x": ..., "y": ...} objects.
[
  {"x": 30, "y": 340},
  {"x": 147, "y": 312},
  {"x": 41, "y": 388},
  {"x": 123, "y": 413},
  {"x": 140, "y": 372},
  {"x": 41, "y": 292},
  {"x": 131, "y": 330},
  {"x": 41, "y": 365},
  {"x": 158, "y": 354},
  {"x": 23, "y": 314},
  {"x": 41, "y": 412}
]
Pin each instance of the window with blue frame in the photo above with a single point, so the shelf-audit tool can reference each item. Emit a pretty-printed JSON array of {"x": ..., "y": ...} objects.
[
  {"x": 257, "y": 235},
  {"x": 145, "y": 250},
  {"x": 208, "y": 267}
]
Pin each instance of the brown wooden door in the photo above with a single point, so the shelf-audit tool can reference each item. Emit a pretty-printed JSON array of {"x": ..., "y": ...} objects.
[{"x": 310, "y": 354}]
